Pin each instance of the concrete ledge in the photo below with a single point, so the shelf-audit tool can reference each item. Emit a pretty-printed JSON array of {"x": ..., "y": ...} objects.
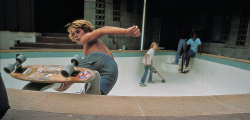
[
  {"x": 97, "y": 105},
  {"x": 121, "y": 51},
  {"x": 228, "y": 58},
  {"x": 74, "y": 50},
  {"x": 14, "y": 114}
]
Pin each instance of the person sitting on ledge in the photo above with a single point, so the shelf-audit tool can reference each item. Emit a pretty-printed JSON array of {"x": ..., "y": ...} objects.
[{"x": 194, "y": 42}]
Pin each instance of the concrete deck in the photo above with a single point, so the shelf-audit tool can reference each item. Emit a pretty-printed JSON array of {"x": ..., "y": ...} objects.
[{"x": 48, "y": 105}]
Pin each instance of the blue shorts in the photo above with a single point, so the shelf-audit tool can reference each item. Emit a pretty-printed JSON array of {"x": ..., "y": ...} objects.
[
  {"x": 105, "y": 65},
  {"x": 191, "y": 53}
]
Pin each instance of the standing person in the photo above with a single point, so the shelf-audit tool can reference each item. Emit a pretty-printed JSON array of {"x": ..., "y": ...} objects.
[
  {"x": 194, "y": 42},
  {"x": 97, "y": 55},
  {"x": 183, "y": 34},
  {"x": 148, "y": 64}
]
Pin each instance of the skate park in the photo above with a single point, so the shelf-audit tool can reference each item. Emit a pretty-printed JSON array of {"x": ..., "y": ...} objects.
[{"x": 219, "y": 91}]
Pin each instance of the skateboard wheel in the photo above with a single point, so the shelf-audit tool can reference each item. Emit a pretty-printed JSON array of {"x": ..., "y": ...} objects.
[
  {"x": 163, "y": 81},
  {"x": 67, "y": 71},
  {"x": 21, "y": 58},
  {"x": 77, "y": 59},
  {"x": 9, "y": 68}
]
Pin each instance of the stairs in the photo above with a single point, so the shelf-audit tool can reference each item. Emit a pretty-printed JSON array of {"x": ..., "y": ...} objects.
[{"x": 50, "y": 41}]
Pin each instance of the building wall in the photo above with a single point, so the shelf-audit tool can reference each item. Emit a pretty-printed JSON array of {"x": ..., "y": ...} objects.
[
  {"x": 17, "y": 15},
  {"x": 233, "y": 45},
  {"x": 128, "y": 17},
  {"x": 7, "y": 38},
  {"x": 16, "y": 22}
]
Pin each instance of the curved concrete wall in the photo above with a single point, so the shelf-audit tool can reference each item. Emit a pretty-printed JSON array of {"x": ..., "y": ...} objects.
[{"x": 209, "y": 75}]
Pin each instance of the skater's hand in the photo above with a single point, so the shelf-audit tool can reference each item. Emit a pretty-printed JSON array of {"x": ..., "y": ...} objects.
[
  {"x": 153, "y": 67},
  {"x": 145, "y": 64},
  {"x": 133, "y": 31}
]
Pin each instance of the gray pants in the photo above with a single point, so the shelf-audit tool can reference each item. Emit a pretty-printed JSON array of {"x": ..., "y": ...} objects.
[
  {"x": 105, "y": 65},
  {"x": 182, "y": 44}
]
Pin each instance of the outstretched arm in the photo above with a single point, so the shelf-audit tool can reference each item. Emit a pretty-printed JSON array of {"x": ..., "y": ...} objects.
[
  {"x": 200, "y": 49},
  {"x": 108, "y": 30}
]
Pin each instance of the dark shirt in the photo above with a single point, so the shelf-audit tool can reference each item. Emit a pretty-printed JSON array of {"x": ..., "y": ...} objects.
[{"x": 184, "y": 32}]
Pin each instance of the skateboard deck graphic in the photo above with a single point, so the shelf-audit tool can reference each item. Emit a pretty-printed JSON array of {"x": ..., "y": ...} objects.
[{"x": 52, "y": 74}]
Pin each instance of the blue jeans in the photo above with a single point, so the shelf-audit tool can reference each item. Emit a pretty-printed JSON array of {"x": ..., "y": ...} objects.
[
  {"x": 182, "y": 44},
  {"x": 105, "y": 65},
  {"x": 146, "y": 72}
]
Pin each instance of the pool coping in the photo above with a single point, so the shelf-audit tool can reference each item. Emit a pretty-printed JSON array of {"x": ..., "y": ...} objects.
[
  {"x": 8, "y": 54},
  {"x": 130, "y": 106}
]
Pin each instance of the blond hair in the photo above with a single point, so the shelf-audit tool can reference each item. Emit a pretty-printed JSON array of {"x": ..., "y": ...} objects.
[
  {"x": 83, "y": 24},
  {"x": 154, "y": 43}
]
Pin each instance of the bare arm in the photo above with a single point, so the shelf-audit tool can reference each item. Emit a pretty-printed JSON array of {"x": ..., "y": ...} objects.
[
  {"x": 108, "y": 30},
  {"x": 200, "y": 49},
  {"x": 184, "y": 50},
  {"x": 146, "y": 55}
]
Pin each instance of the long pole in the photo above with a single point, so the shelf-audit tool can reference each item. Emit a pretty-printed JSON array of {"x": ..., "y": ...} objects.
[
  {"x": 143, "y": 24},
  {"x": 160, "y": 29}
]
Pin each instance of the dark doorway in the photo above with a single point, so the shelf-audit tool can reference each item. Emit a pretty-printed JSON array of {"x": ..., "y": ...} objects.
[
  {"x": 52, "y": 15},
  {"x": 173, "y": 14}
]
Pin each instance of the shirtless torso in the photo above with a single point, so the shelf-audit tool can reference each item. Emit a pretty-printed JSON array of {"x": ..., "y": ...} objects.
[{"x": 96, "y": 46}]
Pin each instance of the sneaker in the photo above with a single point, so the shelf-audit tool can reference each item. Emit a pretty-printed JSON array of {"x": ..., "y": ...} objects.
[
  {"x": 174, "y": 63},
  {"x": 186, "y": 70},
  {"x": 142, "y": 85},
  {"x": 152, "y": 82}
]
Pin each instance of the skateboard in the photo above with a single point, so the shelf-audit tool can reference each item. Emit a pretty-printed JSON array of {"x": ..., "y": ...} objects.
[
  {"x": 53, "y": 73},
  {"x": 163, "y": 81},
  {"x": 182, "y": 66}
]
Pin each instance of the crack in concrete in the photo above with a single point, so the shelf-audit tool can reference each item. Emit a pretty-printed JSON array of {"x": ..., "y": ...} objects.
[
  {"x": 35, "y": 102},
  {"x": 228, "y": 105},
  {"x": 139, "y": 106}
]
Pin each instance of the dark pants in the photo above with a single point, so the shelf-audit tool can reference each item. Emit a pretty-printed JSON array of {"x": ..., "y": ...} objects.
[{"x": 4, "y": 103}]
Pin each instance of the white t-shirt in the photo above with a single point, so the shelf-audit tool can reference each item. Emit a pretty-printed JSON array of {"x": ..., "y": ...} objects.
[{"x": 150, "y": 53}]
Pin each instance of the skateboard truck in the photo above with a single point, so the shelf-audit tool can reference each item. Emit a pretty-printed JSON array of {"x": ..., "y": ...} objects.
[
  {"x": 68, "y": 70},
  {"x": 18, "y": 65},
  {"x": 163, "y": 81}
]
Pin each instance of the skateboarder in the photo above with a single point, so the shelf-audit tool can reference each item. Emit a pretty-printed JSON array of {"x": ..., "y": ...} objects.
[
  {"x": 194, "y": 42},
  {"x": 97, "y": 55},
  {"x": 148, "y": 64}
]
